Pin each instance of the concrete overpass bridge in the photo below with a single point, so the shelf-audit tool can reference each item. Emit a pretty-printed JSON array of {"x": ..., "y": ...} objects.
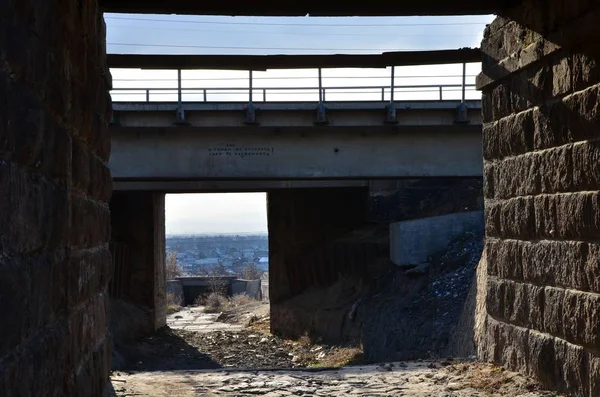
[
  {"x": 341, "y": 163},
  {"x": 195, "y": 138}
]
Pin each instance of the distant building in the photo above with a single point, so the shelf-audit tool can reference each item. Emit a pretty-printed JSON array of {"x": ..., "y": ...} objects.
[
  {"x": 206, "y": 262},
  {"x": 263, "y": 263}
]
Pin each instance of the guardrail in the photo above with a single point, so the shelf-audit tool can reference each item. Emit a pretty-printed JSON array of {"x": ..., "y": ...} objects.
[{"x": 253, "y": 94}]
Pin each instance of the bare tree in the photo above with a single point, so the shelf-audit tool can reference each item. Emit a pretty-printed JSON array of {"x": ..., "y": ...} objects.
[
  {"x": 251, "y": 272},
  {"x": 173, "y": 269}
]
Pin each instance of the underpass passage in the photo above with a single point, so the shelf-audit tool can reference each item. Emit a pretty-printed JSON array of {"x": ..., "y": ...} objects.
[
  {"x": 330, "y": 261},
  {"x": 137, "y": 289}
]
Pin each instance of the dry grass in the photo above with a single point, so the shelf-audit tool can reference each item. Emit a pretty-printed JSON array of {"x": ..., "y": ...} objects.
[
  {"x": 215, "y": 302},
  {"x": 173, "y": 304},
  {"x": 240, "y": 300}
]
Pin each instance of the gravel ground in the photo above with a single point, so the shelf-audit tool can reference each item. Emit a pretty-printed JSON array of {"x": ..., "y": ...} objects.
[{"x": 400, "y": 379}]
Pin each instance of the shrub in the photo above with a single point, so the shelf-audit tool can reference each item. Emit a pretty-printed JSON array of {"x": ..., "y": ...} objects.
[{"x": 214, "y": 302}]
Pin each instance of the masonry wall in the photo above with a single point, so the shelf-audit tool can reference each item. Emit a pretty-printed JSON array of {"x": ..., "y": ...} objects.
[
  {"x": 541, "y": 109},
  {"x": 54, "y": 188}
]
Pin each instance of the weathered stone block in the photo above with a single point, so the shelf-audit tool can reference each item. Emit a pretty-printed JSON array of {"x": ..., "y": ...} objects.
[
  {"x": 510, "y": 136},
  {"x": 89, "y": 380},
  {"x": 35, "y": 211},
  {"x": 88, "y": 273},
  {"x": 555, "y": 263},
  {"x": 516, "y": 303},
  {"x": 85, "y": 212},
  {"x": 514, "y": 218},
  {"x": 571, "y": 372},
  {"x": 505, "y": 258},
  {"x": 572, "y": 215},
  {"x": 593, "y": 375},
  {"x": 553, "y": 311},
  {"x": 581, "y": 312},
  {"x": 562, "y": 76},
  {"x": 585, "y": 158},
  {"x": 87, "y": 328},
  {"x": 586, "y": 68},
  {"x": 48, "y": 301},
  {"x": 15, "y": 284},
  {"x": 542, "y": 358}
]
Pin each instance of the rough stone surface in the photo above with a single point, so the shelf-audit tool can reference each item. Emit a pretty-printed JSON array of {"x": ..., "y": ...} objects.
[
  {"x": 542, "y": 218},
  {"x": 54, "y": 184}
]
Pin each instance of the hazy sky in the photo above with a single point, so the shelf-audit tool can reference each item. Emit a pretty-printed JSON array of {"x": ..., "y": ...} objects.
[{"x": 184, "y": 34}]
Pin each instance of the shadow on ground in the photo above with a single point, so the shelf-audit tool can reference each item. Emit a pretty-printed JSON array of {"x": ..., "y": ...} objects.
[{"x": 163, "y": 351}]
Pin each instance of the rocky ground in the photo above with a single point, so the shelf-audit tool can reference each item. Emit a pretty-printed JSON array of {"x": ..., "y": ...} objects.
[
  {"x": 425, "y": 378},
  {"x": 213, "y": 358}
]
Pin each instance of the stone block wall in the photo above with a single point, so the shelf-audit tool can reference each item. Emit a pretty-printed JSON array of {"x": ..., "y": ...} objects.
[
  {"x": 54, "y": 188},
  {"x": 541, "y": 138}
]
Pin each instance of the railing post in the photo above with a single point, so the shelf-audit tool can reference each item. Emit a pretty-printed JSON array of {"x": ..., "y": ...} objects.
[
  {"x": 264, "y": 95},
  {"x": 464, "y": 82},
  {"x": 321, "y": 112},
  {"x": 441, "y": 93},
  {"x": 462, "y": 112},
  {"x": 250, "y": 115},
  {"x": 382, "y": 94},
  {"x": 180, "y": 119},
  {"x": 148, "y": 95},
  {"x": 204, "y": 92},
  {"x": 391, "y": 109}
]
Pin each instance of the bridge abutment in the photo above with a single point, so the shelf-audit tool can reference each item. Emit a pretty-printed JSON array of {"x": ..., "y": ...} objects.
[
  {"x": 138, "y": 246},
  {"x": 54, "y": 189},
  {"x": 541, "y": 95}
]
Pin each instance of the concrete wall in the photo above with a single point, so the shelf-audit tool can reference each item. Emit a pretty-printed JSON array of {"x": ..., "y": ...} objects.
[
  {"x": 413, "y": 242},
  {"x": 256, "y": 153},
  {"x": 252, "y": 288},
  {"x": 138, "y": 222},
  {"x": 54, "y": 184},
  {"x": 175, "y": 287},
  {"x": 541, "y": 108}
]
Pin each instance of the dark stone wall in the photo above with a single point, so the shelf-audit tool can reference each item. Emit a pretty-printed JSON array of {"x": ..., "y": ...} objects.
[
  {"x": 55, "y": 185},
  {"x": 541, "y": 109},
  {"x": 138, "y": 241}
]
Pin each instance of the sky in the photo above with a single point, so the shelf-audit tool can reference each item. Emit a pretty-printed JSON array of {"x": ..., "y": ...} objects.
[{"x": 185, "y": 34}]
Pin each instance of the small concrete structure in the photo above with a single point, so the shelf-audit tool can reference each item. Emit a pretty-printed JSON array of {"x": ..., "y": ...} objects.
[
  {"x": 175, "y": 288},
  {"x": 192, "y": 287},
  {"x": 251, "y": 288},
  {"x": 413, "y": 242}
]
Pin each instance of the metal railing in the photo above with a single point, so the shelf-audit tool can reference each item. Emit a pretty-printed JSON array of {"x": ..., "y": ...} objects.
[
  {"x": 262, "y": 94},
  {"x": 252, "y": 94}
]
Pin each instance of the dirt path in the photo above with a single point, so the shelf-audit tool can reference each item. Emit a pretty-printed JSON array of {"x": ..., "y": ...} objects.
[
  {"x": 200, "y": 356},
  {"x": 401, "y": 379}
]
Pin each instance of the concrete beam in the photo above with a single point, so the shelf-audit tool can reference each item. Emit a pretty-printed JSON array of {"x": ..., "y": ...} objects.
[
  {"x": 298, "y": 114},
  {"x": 257, "y": 153},
  {"x": 229, "y": 186},
  {"x": 307, "y": 7},
  {"x": 264, "y": 62}
]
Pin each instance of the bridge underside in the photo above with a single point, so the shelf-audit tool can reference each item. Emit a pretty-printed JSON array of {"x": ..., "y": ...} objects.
[{"x": 318, "y": 235}]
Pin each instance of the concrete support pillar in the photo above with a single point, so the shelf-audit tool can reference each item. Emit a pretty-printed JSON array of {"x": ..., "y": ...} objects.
[
  {"x": 138, "y": 233},
  {"x": 316, "y": 238}
]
